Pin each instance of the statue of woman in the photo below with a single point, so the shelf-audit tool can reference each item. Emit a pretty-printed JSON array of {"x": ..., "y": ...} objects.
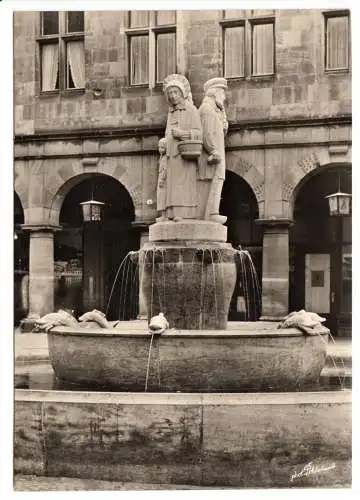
[{"x": 183, "y": 123}]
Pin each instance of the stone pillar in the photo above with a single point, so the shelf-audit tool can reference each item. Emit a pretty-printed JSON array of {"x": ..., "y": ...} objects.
[
  {"x": 41, "y": 273},
  {"x": 275, "y": 272},
  {"x": 144, "y": 238}
]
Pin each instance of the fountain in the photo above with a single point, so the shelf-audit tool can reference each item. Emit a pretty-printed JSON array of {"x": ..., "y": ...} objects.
[{"x": 187, "y": 406}]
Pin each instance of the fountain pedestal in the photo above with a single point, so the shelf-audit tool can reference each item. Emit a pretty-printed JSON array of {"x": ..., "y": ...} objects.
[{"x": 188, "y": 272}]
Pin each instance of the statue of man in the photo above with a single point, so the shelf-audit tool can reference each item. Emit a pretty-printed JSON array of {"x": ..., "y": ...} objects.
[
  {"x": 183, "y": 123},
  {"x": 212, "y": 163}
]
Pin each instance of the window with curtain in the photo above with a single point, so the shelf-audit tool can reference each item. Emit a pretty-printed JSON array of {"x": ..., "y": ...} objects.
[
  {"x": 152, "y": 46},
  {"x": 263, "y": 49},
  {"x": 139, "y": 56},
  {"x": 62, "y": 56},
  {"x": 234, "y": 51},
  {"x": 337, "y": 42},
  {"x": 248, "y": 43},
  {"x": 165, "y": 55}
]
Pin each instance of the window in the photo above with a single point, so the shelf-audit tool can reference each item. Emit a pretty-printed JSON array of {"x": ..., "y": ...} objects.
[
  {"x": 152, "y": 46},
  {"x": 62, "y": 57},
  {"x": 248, "y": 43},
  {"x": 337, "y": 41}
]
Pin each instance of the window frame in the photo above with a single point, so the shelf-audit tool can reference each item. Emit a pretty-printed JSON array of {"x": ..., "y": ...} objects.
[
  {"x": 256, "y": 22},
  {"x": 61, "y": 39},
  {"x": 249, "y": 19},
  {"x": 152, "y": 31},
  {"x": 326, "y": 16}
]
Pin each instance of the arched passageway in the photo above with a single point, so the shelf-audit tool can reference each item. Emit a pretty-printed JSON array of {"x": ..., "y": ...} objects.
[
  {"x": 320, "y": 251},
  {"x": 21, "y": 263},
  {"x": 88, "y": 254},
  {"x": 239, "y": 204}
]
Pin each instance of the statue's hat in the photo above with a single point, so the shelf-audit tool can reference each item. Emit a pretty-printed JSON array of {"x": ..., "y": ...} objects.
[{"x": 215, "y": 83}]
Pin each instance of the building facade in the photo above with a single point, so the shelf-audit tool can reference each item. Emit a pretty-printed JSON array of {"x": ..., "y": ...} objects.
[{"x": 89, "y": 111}]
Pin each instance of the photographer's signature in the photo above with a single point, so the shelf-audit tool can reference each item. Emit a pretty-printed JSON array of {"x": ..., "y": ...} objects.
[{"x": 310, "y": 469}]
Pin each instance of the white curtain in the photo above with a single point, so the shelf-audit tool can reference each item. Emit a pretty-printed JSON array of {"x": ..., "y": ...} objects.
[
  {"x": 234, "y": 51},
  {"x": 76, "y": 61},
  {"x": 49, "y": 65},
  {"x": 263, "y": 49},
  {"x": 166, "y": 55},
  {"x": 337, "y": 43},
  {"x": 139, "y": 60}
]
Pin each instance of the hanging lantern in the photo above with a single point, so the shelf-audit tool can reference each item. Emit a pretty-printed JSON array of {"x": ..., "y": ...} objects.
[
  {"x": 339, "y": 203},
  {"x": 92, "y": 210}
]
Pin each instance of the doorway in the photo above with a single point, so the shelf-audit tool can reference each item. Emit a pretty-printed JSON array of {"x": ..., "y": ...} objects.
[
  {"x": 239, "y": 204},
  {"x": 320, "y": 252},
  {"x": 88, "y": 254}
]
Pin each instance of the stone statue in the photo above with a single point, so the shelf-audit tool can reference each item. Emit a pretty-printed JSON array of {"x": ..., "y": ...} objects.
[
  {"x": 183, "y": 124},
  {"x": 212, "y": 162},
  {"x": 161, "y": 186}
]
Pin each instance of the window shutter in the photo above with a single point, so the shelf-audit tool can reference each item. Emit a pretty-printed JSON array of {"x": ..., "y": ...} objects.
[
  {"x": 337, "y": 56},
  {"x": 234, "y": 51},
  {"x": 165, "y": 55},
  {"x": 263, "y": 49},
  {"x": 139, "y": 60}
]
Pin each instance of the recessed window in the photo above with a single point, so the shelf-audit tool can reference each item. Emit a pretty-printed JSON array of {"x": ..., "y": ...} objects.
[
  {"x": 337, "y": 41},
  {"x": 234, "y": 51},
  {"x": 248, "y": 43},
  {"x": 263, "y": 49},
  {"x": 139, "y": 56},
  {"x": 165, "y": 55},
  {"x": 62, "y": 55},
  {"x": 152, "y": 46}
]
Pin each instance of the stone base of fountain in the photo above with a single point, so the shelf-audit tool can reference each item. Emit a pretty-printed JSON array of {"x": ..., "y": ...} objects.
[
  {"x": 246, "y": 357},
  {"x": 221, "y": 440}
]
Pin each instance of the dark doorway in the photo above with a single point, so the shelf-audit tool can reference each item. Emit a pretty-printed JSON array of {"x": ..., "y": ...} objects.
[
  {"x": 320, "y": 252},
  {"x": 239, "y": 204},
  {"x": 88, "y": 255},
  {"x": 21, "y": 263}
]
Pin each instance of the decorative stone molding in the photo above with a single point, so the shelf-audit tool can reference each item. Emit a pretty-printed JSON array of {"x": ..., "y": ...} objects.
[
  {"x": 41, "y": 228},
  {"x": 259, "y": 191},
  {"x": 136, "y": 195},
  {"x": 308, "y": 163},
  {"x": 243, "y": 166},
  {"x": 89, "y": 162},
  {"x": 274, "y": 221},
  {"x": 287, "y": 190}
]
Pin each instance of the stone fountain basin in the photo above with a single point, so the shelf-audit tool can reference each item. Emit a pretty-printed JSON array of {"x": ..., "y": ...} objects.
[{"x": 245, "y": 357}]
